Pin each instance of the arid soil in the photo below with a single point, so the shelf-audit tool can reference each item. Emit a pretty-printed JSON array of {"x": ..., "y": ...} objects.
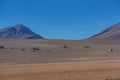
[
  {"x": 83, "y": 70},
  {"x": 58, "y": 60}
]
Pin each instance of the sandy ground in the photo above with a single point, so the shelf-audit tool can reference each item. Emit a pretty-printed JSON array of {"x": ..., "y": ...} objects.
[
  {"x": 53, "y": 51},
  {"x": 53, "y": 62},
  {"x": 83, "y": 70}
]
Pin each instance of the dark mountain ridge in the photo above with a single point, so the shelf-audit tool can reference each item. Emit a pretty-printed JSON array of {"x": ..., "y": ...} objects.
[
  {"x": 18, "y": 31},
  {"x": 111, "y": 33}
]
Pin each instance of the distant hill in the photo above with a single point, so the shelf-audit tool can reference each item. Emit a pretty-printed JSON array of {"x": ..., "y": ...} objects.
[
  {"x": 111, "y": 33},
  {"x": 18, "y": 31}
]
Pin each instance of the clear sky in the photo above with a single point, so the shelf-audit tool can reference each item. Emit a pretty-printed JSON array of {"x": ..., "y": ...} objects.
[{"x": 61, "y": 19}]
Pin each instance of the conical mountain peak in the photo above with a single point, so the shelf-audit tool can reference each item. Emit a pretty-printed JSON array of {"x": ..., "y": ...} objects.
[{"x": 18, "y": 31}]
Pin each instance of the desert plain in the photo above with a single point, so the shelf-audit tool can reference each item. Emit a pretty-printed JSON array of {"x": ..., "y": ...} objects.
[{"x": 59, "y": 60}]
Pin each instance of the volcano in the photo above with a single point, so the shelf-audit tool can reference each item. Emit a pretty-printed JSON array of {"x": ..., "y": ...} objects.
[{"x": 18, "y": 31}]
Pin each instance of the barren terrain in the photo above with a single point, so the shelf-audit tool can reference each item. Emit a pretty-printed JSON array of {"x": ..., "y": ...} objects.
[{"x": 54, "y": 61}]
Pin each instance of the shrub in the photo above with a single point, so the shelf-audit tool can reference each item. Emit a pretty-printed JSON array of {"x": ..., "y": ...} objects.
[
  {"x": 11, "y": 48},
  {"x": 65, "y": 46},
  {"x": 23, "y": 49},
  {"x": 35, "y": 49},
  {"x": 47, "y": 50},
  {"x": 2, "y": 47},
  {"x": 85, "y": 46}
]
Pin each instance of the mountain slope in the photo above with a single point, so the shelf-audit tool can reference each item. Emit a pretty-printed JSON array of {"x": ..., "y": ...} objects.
[
  {"x": 111, "y": 33},
  {"x": 18, "y": 31}
]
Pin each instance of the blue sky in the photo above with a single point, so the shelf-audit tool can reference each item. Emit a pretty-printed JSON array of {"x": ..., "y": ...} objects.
[{"x": 61, "y": 19}]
